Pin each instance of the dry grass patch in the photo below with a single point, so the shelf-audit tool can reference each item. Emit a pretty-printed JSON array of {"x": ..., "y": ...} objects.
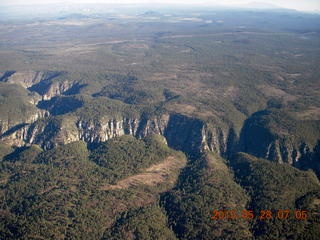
[
  {"x": 152, "y": 176},
  {"x": 313, "y": 113},
  {"x": 271, "y": 91}
]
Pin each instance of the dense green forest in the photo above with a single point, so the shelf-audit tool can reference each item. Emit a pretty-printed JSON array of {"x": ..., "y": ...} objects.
[
  {"x": 275, "y": 187},
  {"x": 66, "y": 193}
]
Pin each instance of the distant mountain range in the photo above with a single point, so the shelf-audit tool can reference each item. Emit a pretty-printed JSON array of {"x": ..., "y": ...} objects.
[{"x": 259, "y": 5}]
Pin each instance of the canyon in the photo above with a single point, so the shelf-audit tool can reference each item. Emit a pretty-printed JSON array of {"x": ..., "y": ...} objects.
[{"x": 189, "y": 134}]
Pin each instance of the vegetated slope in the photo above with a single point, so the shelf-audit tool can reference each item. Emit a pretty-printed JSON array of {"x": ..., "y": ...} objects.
[
  {"x": 16, "y": 107},
  {"x": 311, "y": 160},
  {"x": 274, "y": 186},
  {"x": 62, "y": 193},
  {"x": 58, "y": 194},
  {"x": 127, "y": 156},
  {"x": 275, "y": 134},
  {"x": 4, "y": 150},
  {"x": 60, "y": 105},
  {"x": 23, "y": 154},
  {"x": 143, "y": 223},
  {"x": 205, "y": 185}
]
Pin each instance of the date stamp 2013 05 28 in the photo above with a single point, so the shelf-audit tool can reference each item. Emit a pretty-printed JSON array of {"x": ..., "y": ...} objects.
[{"x": 266, "y": 214}]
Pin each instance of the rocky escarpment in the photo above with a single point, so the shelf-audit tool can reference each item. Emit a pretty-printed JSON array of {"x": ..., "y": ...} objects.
[
  {"x": 7, "y": 125},
  {"x": 188, "y": 134},
  {"x": 269, "y": 134},
  {"x": 277, "y": 136},
  {"x": 17, "y": 108},
  {"x": 183, "y": 133},
  {"x": 53, "y": 131},
  {"x": 26, "y": 79},
  {"x": 192, "y": 135},
  {"x": 48, "y": 89},
  {"x": 15, "y": 134},
  {"x": 47, "y": 84},
  {"x": 24, "y": 96}
]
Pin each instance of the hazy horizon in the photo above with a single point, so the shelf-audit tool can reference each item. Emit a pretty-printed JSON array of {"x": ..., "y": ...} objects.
[{"x": 307, "y": 5}]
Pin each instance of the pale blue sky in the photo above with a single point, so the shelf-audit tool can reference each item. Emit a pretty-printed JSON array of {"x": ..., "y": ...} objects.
[{"x": 304, "y": 5}]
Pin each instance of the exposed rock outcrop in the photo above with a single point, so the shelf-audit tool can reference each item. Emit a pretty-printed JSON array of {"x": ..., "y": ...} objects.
[
  {"x": 279, "y": 138},
  {"x": 24, "y": 78},
  {"x": 183, "y": 133},
  {"x": 51, "y": 89},
  {"x": 46, "y": 83},
  {"x": 269, "y": 134},
  {"x": 17, "y": 134}
]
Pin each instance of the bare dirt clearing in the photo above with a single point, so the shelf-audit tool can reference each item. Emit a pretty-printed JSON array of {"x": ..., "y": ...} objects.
[{"x": 151, "y": 176}]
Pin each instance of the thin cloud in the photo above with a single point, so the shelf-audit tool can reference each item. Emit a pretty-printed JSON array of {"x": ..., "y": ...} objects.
[{"x": 305, "y": 5}]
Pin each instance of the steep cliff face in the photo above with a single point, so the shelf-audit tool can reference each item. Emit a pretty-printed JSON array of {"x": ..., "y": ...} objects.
[
  {"x": 26, "y": 79},
  {"x": 57, "y": 131},
  {"x": 50, "y": 89},
  {"x": 17, "y": 108},
  {"x": 188, "y": 134},
  {"x": 183, "y": 133},
  {"x": 99, "y": 130},
  {"x": 46, "y": 83},
  {"x": 17, "y": 134},
  {"x": 22, "y": 94},
  {"x": 192, "y": 135},
  {"x": 53, "y": 131},
  {"x": 269, "y": 134},
  {"x": 310, "y": 159},
  {"x": 11, "y": 127},
  {"x": 276, "y": 136},
  {"x": 223, "y": 141}
]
